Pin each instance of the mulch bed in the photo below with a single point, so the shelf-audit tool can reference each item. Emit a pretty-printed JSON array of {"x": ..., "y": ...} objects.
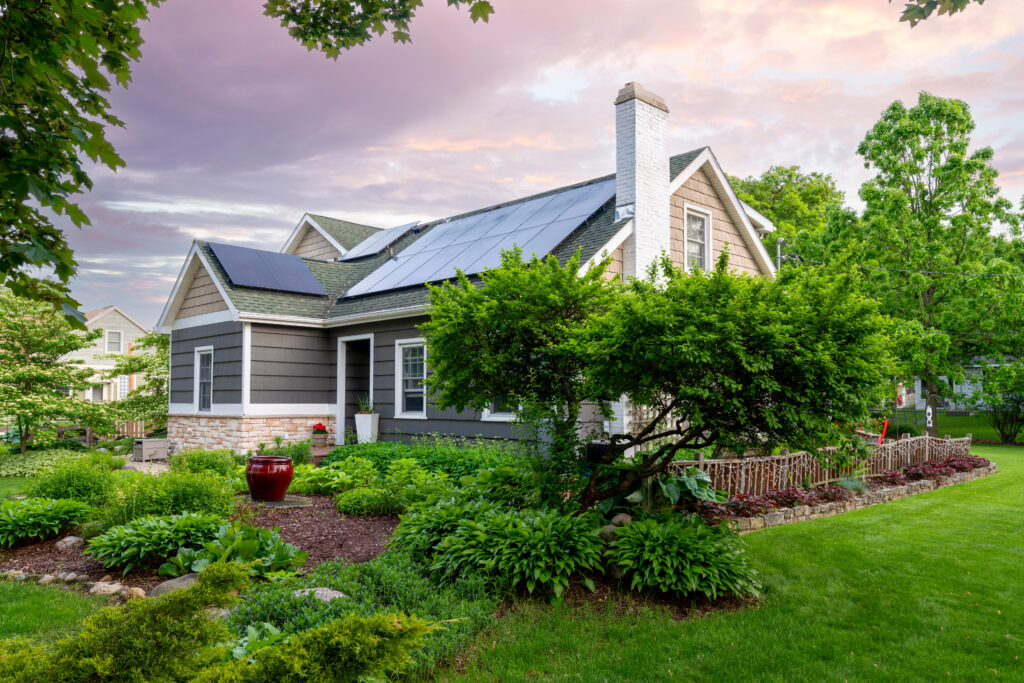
[{"x": 319, "y": 529}]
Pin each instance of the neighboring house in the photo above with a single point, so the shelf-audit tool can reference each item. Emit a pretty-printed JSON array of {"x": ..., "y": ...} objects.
[
  {"x": 119, "y": 334},
  {"x": 266, "y": 343}
]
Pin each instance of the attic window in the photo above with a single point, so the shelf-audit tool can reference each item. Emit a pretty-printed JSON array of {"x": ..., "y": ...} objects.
[
  {"x": 698, "y": 238},
  {"x": 113, "y": 342}
]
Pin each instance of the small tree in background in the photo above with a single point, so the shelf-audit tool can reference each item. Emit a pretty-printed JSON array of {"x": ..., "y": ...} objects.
[
  {"x": 1001, "y": 396},
  {"x": 150, "y": 360},
  {"x": 37, "y": 382}
]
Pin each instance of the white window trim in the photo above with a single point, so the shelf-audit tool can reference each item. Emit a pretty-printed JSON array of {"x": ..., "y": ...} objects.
[
  {"x": 706, "y": 213},
  {"x": 399, "y": 344},
  {"x": 195, "y": 379},
  {"x": 488, "y": 416},
  {"x": 106, "y": 342}
]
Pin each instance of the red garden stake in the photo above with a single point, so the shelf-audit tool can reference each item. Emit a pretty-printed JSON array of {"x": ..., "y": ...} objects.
[{"x": 885, "y": 427}]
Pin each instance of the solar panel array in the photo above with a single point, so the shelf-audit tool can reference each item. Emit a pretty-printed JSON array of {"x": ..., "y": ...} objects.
[
  {"x": 378, "y": 241},
  {"x": 266, "y": 270},
  {"x": 474, "y": 243}
]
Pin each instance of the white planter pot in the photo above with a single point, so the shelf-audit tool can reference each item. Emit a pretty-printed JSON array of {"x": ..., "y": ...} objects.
[{"x": 366, "y": 427}]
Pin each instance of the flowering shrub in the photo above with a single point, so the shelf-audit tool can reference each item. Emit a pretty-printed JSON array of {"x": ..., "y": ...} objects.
[
  {"x": 833, "y": 494},
  {"x": 892, "y": 478},
  {"x": 748, "y": 505},
  {"x": 791, "y": 497},
  {"x": 927, "y": 470}
]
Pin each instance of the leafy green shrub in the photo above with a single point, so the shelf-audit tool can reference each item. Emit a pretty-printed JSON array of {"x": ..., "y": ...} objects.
[
  {"x": 514, "y": 486},
  {"x": 389, "y": 582},
  {"x": 455, "y": 457},
  {"x": 261, "y": 550},
  {"x": 76, "y": 480},
  {"x": 351, "y": 649},
  {"x": 123, "y": 445},
  {"x": 520, "y": 548},
  {"x": 368, "y": 501},
  {"x": 410, "y": 482},
  {"x": 320, "y": 480},
  {"x": 14, "y": 464},
  {"x": 37, "y": 518},
  {"x": 299, "y": 451},
  {"x": 219, "y": 462},
  {"x": 425, "y": 525},
  {"x": 167, "y": 638},
  {"x": 171, "y": 493},
  {"x": 102, "y": 460},
  {"x": 362, "y": 471},
  {"x": 683, "y": 556},
  {"x": 149, "y": 540}
]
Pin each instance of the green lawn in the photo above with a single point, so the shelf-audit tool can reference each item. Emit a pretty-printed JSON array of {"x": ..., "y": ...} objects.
[
  {"x": 9, "y": 486},
  {"x": 920, "y": 589},
  {"x": 42, "y": 611},
  {"x": 955, "y": 425}
]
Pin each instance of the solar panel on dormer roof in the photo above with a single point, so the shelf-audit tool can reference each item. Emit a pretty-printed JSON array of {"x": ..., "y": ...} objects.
[
  {"x": 474, "y": 242},
  {"x": 378, "y": 242},
  {"x": 266, "y": 270}
]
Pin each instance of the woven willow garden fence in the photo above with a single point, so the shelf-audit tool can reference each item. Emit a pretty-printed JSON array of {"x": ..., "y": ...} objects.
[{"x": 758, "y": 475}]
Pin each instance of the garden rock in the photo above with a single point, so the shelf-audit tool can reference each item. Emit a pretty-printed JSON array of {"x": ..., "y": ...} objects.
[
  {"x": 608, "y": 533},
  {"x": 174, "y": 584},
  {"x": 12, "y": 574},
  {"x": 104, "y": 588},
  {"x": 133, "y": 592},
  {"x": 47, "y": 579},
  {"x": 622, "y": 519},
  {"x": 321, "y": 594},
  {"x": 69, "y": 542}
]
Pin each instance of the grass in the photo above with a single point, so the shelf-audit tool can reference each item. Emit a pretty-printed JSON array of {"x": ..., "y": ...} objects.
[
  {"x": 955, "y": 425},
  {"x": 920, "y": 589},
  {"x": 10, "y": 486},
  {"x": 42, "y": 612}
]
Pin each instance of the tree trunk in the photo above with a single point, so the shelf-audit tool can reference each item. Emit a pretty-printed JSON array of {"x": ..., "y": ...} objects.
[
  {"x": 931, "y": 407},
  {"x": 22, "y": 435}
]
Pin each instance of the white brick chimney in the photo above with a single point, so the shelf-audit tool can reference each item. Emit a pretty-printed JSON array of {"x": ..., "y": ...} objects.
[{"x": 641, "y": 175}]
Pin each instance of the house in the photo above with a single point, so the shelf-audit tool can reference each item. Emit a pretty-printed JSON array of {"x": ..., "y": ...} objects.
[
  {"x": 267, "y": 343},
  {"x": 119, "y": 334}
]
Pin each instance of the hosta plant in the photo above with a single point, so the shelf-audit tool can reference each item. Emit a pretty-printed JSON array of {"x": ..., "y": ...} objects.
[
  {"x": 325, "y": 481},
  {"x": 37, "y": 518},
  {"x": 261, "y": 550},
  {"x": 149, "y": 540}
]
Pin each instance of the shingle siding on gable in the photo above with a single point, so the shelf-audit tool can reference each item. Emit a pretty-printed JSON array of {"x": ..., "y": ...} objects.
[
  {"x": 614, "y": 270},
  {"x": 202, "y": 297},
  {"x": 315, "y": 245},
  {"x": 699, "y": 191},
  {"x": 226, "y": 340},
  {"x": 292, "y": 365}
]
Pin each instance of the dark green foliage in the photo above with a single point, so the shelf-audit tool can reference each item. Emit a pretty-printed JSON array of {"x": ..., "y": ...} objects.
[
  {"x": 354, "y": 648},
  {"x": 455, "y": 457},
  {"x": 324, "y": 481},
  {"x": 531, "y": 549},
  {"x": 425, "y": 525},
  {"x": 368, "y": 501},
  {"x": 683, "y": 556},
  {"x": 389, "y": 582},
  {"x": 1001, "y": 396},
  {"x": 261, "y": 550},
  {"x": 149, "y": 540},
  {"x": 410, "y": 482},
  {"x": 916, "y": 11},
  {"x": 362, "y": 471},
  {"x": 156, "y": 640},
  {"x": 77, "y": 480},
  {"x": 202, "y": 461},
  {"x": 37, "y": 518},
  {"x": 167, "y": 494},
  {"x": 515, "y": 486}
]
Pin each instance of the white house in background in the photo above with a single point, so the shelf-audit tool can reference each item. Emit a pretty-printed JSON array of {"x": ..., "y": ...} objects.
[{"x": 120, "y": 332}]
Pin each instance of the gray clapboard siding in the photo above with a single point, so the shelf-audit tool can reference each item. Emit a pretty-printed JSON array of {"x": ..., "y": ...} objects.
[
  {"x": 226, "y": 340},
  {"x": 292, "y": 365}
]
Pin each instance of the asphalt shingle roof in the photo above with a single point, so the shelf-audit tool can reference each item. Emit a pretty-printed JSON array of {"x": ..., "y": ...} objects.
[{"x": 345, "y": 233}]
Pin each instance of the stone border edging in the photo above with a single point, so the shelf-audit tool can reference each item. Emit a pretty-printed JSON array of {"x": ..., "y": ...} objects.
[{"x": 801, "y": 513}]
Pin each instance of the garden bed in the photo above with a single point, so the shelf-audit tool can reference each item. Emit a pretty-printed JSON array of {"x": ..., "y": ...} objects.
[{"x": 872, "y": 497}]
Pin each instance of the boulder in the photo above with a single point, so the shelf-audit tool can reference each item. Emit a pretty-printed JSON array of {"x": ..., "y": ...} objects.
[
  {"x": 321, "y": 594},
  {"x": 69, "y": 542},
  {"x": 622, "y": 519},
  {"x": 183, "y": 581},
  {"x": 608, "y": 533},
  {"x": 105, "y": 588},
  {"x": 47, "y": 579},
  {"x": 133, "y": 592},
  {"x": 13, "y": 574}
]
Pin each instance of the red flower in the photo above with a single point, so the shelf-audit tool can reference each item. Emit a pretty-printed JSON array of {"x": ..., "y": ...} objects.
[{"x": 319, "y": 428}]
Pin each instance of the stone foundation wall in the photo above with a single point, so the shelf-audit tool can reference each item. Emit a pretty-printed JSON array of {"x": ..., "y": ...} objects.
[{"x": 240, "y": 433}]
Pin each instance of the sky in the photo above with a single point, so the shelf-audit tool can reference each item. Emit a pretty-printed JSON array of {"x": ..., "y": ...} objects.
[{"x": 233, "y": 130}]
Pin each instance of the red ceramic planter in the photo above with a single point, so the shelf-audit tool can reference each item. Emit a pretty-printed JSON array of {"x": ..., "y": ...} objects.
[{"x": 268, "y": 477}]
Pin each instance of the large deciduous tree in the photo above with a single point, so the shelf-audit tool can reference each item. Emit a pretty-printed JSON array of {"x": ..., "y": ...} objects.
[
  {"x": 1001, "y": 396},
  {"x": 150, "y": 361},
  {"x": 37, "y": 381},
  {"x": 927, "y": 239}
]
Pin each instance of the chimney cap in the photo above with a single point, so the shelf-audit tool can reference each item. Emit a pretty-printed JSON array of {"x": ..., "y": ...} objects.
[{"x": 634, "y": 90}]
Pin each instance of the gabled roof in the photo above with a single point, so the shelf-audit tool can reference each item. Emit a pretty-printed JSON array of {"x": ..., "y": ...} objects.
[
  {"x": 345, "y": 233},
  {"x": 95, "y": 315}
]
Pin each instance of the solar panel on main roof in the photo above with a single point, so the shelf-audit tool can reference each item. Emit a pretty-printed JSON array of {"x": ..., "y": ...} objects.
[
  {"x": 266, "y": 270},
  {"x": 378, "y": 241},
  {"x": 474, "y": 243}
]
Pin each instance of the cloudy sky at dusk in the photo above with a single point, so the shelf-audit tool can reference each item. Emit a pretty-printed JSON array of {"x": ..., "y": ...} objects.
[{"x": 233, "y": 130}]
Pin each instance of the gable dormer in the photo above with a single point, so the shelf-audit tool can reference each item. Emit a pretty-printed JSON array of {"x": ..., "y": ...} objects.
[{"x": 325, "y": 238}]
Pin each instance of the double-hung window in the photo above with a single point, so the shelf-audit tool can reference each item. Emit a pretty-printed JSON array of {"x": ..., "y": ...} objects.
[
  {"x": 122, "y": 387},
  {"x": 204, "y": 379},
  {"x": 698, "y": 239},
  {"x": 411, "y": 370},
  {"x": 113, "y": 341}
]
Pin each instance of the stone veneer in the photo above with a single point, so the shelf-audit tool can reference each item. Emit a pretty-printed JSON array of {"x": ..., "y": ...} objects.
[
  {"x": 805, "y": 512},
  {"x": 240, "y": 433}
]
